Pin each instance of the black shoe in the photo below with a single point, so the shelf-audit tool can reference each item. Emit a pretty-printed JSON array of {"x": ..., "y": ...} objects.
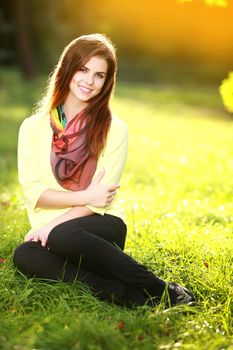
[{"x": 179, "y": 294}]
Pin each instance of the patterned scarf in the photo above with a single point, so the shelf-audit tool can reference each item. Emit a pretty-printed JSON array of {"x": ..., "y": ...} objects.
[{"x": 71, "y": 163}]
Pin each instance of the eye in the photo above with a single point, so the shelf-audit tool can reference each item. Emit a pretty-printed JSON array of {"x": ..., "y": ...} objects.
[
  {"x": 83, "y": 69},
  {"x": 99, "y": 75}
]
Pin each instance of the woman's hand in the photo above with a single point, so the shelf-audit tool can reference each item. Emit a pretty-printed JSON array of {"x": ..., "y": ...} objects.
[
  {"x": 40, "y": 235},
  {"x": 99, "y": 195}
]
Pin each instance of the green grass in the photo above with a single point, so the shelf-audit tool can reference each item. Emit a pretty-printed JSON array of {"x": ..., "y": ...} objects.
[{"x": 177, "y": 190}]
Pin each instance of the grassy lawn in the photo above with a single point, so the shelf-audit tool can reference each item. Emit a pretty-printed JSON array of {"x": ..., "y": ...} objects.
[{"x": 177, "y": 190}]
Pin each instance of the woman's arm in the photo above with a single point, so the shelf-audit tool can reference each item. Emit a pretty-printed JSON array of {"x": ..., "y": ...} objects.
[
  {"x": 37, "y": 193},
  {"x": 41, "y": 235},
  {"x": 96, "y": 194},
  {"x": 114, "y": 157}
]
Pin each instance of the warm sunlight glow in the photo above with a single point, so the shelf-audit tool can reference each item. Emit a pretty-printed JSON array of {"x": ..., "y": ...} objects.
[
  {"x": 171, "y": 28},
  {"x": 221, "y": 3}
]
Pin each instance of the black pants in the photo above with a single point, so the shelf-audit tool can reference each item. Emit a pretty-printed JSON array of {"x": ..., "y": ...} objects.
[{"x": 89, "y": 249}]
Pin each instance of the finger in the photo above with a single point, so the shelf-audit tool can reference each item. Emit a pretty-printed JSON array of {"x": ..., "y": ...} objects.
[
  {"x": 109, "y": 199},
  {"x": 112, "y": 193},
  {"x": 28, "y": 237},
  {"x": 99, "y": 177},
  {"x": 43, "y": 242},
  {"x": 113, "y": 187}
]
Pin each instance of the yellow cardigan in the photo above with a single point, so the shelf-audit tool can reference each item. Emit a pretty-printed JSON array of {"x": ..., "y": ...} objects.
[{"x": 35, "y": 173}]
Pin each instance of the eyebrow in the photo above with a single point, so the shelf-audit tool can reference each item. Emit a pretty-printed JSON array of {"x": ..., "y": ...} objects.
[{"x": 96, "y": 72}]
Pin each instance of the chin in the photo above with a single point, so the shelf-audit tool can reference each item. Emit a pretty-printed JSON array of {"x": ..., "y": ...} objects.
[{"x": 83, "y": 98}]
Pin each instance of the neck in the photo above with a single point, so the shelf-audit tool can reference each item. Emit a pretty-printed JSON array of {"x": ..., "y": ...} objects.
[{"x": 72, "y": 107}]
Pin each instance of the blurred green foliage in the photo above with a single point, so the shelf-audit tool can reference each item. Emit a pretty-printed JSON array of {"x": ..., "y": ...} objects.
[
  {"x": 48, "y": 25},
  {"x": 226, "y": 91}
]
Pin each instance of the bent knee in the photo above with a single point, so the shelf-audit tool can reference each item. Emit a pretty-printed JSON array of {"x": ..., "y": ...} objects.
[{"x": 22, "y": 256}]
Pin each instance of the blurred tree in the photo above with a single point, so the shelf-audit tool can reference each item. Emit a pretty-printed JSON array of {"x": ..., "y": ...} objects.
[
  {"x": 53, "y": 24},
  {"x": 158, "y": 31},
  {"x": 22, "y": 37},
  {"x": 14, "y": 31},
  {"x": 6, "y": 33}
]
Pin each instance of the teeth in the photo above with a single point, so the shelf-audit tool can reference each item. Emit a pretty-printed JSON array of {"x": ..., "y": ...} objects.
[{"x": 84, "y": 89}]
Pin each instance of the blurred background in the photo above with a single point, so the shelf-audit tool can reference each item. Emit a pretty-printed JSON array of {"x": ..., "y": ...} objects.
[{"x": 158, "y": 41}]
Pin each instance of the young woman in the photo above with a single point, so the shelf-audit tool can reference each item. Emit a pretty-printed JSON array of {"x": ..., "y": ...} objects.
[{"x": 71, "y": 155}]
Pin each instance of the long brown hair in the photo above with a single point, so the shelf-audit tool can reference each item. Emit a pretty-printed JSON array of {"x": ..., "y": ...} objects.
[{"x": 75, "y": 55}]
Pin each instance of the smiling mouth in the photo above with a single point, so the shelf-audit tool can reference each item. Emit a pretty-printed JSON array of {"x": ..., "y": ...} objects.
[{"x": 84, "y": 89}]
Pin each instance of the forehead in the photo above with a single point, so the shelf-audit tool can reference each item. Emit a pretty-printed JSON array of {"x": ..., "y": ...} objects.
[{"x": 97, "y": 63}]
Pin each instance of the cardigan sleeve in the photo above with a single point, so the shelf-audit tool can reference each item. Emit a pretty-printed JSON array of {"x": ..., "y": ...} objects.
[
  {"x": 113, "y": 160},
  {"x": 28, "y": 172}
]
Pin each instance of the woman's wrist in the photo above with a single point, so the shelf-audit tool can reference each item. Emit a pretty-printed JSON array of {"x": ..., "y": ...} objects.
[
  {"x": 61, "y": 199},
  {"x": 79, "y": 198}
]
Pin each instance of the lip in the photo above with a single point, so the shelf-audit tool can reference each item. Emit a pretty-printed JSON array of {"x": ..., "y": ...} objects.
[{"x": 84, "y": 89}]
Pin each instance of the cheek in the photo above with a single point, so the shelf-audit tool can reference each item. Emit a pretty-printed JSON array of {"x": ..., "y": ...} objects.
[
  {"x": 100, "y": 84},
  {"x": 72, "y": 85},
  {"x": 75, "y": 81},
  {"x": 76, "y": 77}
]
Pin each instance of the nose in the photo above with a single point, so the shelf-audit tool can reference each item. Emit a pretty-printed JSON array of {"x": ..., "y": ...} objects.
[{"x": 90, "y": 79}]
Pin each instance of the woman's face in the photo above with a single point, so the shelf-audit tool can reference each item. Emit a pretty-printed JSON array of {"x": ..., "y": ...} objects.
[{"x": 89, "y": 80}]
